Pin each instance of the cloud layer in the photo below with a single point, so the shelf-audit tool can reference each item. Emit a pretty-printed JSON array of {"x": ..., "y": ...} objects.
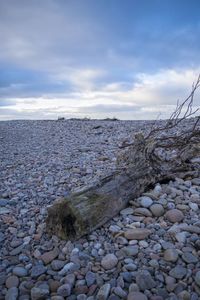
[{"x": 132, "y": 59}]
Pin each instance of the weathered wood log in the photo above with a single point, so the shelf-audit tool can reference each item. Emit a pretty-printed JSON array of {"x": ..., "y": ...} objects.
[{"x": 145, "y": 162}]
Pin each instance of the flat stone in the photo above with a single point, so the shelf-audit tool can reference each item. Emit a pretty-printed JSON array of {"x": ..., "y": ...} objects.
[
  {"x": 193, "y": 206},
  {"x": 57, "y": 265},
  {"x": 103, "y": 292},
  {"x": 157, "y": 210},
  {"x": 178, "y": 272},
  {"x": 12, "y": 281},
  {"x": 126, "y": 211},
  {"x": 174, "y": 215},
  {"x": 181, "y": 237},
  {"x": 17, "y": 250},
  {"x": 4, "y": 210},
  {"x": 137, "y": 233},
  {"x": 189, "y": 258},
  {"x": 69, "y": 267},
  {"x": 145, "y": 281},
  {"x": 3, "y": 202},
  {"x": 145, "y": 201},
  {"x": 38, "y": 293},
  {"x": 171, "y": 255},
  {"x": 64, "y": 290},
  {"x": 120, "y": 292},
  {"x": 90, "y": 278},
  {"x": 38, "y": 270},
  {"x": 130, "y": 250},
  {"x": 12, "y": 294},
  {"x": 136, "y": 296},
  {"x": 20, "y": 271},
  {"x": 142, "y": 211},
  {"x": 47, "y": 257},
  {"x": 109, "y": 261}
]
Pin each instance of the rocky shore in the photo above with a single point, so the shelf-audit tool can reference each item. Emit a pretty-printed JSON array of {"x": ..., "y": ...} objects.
[{"x": 151, "y": 250}]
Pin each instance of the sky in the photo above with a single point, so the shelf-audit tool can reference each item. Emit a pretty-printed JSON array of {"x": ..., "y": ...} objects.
[{"x": 130, "y": 59}]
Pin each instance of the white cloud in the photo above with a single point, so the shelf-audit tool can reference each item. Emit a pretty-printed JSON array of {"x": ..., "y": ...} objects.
[{"x": 145, "y": 98}]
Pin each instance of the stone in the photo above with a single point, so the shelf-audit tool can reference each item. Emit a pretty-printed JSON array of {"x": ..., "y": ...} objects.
[
  {"x": 189, "y": 258},
  {"x": 145, "y": 201},
  {"x": 178, "y": 272},
  {"x": 38, "y": 270},
  {"x": 20, "y": 271},
  {"x": 136, "y": 296},
  {"x": 57, "y": 265},
  {"x": 120, "y": 292},
  {"x": 174, "y": 215},
  {"x": 171, "y": 255},
  {"x": 4, "y": 210},
  {"x": 109, "y": 261},
  {"x": 38, "y": 293},
  {"x": 81, "y": 297},
  {"x": 197, "y": 278},
  {"x": 142, "y": 211},
  {"x": 90, "y": 278},
  {"x": 157, "y": 210},
  {"x": 145, "y": 281},
  {"x": 137, "y": 233},
  {"x": 193, "y": 206},
  {"x": 12, "y": 281},
  {"x": 17, "y": 250},
  {"x": 47, "y": 257},
  {"x": 12, "y": 294},
  {"x": 184, "y": 295},
  {"x": 69, "y": 267},
  {"x": 126, "y": 211},
  {"x": 131, "y": 250},
  {"x": 64, "y": 290},
  {"x": 181, "y": 237},
  {"x": 103, "y": 292}
]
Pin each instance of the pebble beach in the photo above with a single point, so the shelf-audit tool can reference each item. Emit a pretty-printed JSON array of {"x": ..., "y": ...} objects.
[{"x": 150, "y": 251}]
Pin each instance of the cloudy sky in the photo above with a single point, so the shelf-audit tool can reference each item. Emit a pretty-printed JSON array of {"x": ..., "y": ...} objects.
[{"x": 131, "y": 59}]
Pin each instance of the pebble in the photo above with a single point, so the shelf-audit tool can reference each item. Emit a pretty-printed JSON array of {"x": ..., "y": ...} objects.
[
  {"x": 197, "y": 278},
  {"x": 42, "y": 172},
  {"x": 136, "y": 296},
  {"x": 137, "y": 234},
  {"x": 12, "y": 281},
  {"x": 145, "y": 201},
  {"x": 174, "y": 215},
  {"x": 103, "y": 292},
  {"x": 109, "y": 261},
  {"x": 20, "y": 271},
  {"x": 157, "y": 210},
  {"x": 171, "y": 255}
]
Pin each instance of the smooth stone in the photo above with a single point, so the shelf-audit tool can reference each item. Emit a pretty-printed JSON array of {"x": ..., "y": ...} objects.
[
  {"x": 109, "y": 261},
  {"x": 103, "y": 292},
  {"x": 171, "y": 255},
  {"x": 145, "y": 281},
  {"x": 57, "y": 265},
  {"x": 184, "y": 295},
  {"x": 38, "y": 270},
  {"x": 4, "y": 210},
  {"x": 145, "y": 201},
  {"x": 126, "y": 211},
  {"x": 57, "y": 298},
  {"x": 142, "y": 211},
  {"x": 121, "y": 240},
  {"x": 174, "y": 215},
  {"x": 137, "y": 233},
  {"x": 197, "y": 278},
  {"x": 178, "y": 272},
  {"x": 90, "y": 278},
  {"x": 69, "y": 267},
  {"x": 193, "y": 206},
  {"x": 4, "y": 202},
  {"x": 130, "y": 250},
  {"x": 157, "y": 210},
  {"x": 181, "y": 237},
  {"x": 12, "y": 294},
  {"x": 81, "y": 297},
  {"x": 38, "y": 293},
  {"x": 136, "y": 296},
  {"x": 120, "y": 292},
  {"x": 189, "y": 258},
  {"x": 12, "y": 281},
  {"x": 17, "y": 250},
  {"x": 64, "y": 290},
  {"x": 47, "y": 257},
  {"x": 20, "y": 271}
]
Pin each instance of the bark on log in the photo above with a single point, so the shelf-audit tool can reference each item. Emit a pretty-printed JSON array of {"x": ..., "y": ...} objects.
[{"x": 146, "y": 162}]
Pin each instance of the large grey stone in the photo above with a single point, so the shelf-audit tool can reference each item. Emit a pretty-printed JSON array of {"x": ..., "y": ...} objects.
[{"x": 109, "y": 261}]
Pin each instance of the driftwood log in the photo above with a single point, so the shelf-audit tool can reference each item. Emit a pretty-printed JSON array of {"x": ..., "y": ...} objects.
[
  {"x": 142, "y": 164},
  {"x": 168, "y": 151}
]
